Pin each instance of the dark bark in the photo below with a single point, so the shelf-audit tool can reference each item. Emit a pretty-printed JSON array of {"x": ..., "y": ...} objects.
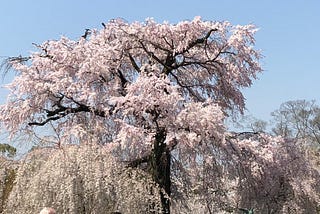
[
  {"x": 61, "y": 111},
  {"x": 159, "y": 166}
]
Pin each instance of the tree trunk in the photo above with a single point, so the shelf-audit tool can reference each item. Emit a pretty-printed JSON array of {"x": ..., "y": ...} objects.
[{"x": 160, "y": 168}]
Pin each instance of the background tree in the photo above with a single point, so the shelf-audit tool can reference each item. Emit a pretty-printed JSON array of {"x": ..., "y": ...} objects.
[
  {"x": 156, "y": 95},
  {"x": 299, "y": 119},
  {"x": 249, "y": 123}
]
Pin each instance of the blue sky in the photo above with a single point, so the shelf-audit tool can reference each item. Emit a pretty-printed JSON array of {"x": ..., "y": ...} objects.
[{"x": 289, "y": 35}]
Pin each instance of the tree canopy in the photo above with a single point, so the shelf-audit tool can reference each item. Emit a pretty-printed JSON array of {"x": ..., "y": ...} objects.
[{"x": 133, "y": 67}]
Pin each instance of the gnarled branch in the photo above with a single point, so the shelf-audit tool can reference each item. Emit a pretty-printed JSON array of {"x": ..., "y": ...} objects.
[{"x": 63, "y": 111}]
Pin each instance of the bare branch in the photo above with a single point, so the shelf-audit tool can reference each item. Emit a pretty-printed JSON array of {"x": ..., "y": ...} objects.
[
  {"x": 86, "y": 33},
  {"x": 133, "y": 62},
  {"x": 63, "y": 111},
  {"x": 197, "y": 41},
  {"x": 137, "y": 162}
]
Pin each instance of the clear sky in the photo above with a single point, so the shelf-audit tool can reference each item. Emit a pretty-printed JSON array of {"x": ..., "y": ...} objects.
[{"x": 289, "y": 35}]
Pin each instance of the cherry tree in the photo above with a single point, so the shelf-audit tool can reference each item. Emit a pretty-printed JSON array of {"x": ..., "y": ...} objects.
[{"x": 155, "y": 94}]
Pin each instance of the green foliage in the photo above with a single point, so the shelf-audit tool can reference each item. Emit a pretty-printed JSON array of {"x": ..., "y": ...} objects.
[
  {"x": 247, "y": 211},
  {"x": 6, "y": 186},
  {"x": 7, "y": 150}
]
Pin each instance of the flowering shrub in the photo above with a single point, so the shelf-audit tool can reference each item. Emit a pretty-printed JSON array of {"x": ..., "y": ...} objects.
[{"x": 80, "y": 179}]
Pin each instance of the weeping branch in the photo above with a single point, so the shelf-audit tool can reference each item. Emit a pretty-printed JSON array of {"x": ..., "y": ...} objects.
[{"x": 7, "y": 63}]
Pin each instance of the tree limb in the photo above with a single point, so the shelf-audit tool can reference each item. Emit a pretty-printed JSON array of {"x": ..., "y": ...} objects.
[
  {"x": 135, "y": 163},
  {"x": 198, "y": 41},
  {"x": 133, "y": 62},
  {"x": 63, "y": 111}
]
